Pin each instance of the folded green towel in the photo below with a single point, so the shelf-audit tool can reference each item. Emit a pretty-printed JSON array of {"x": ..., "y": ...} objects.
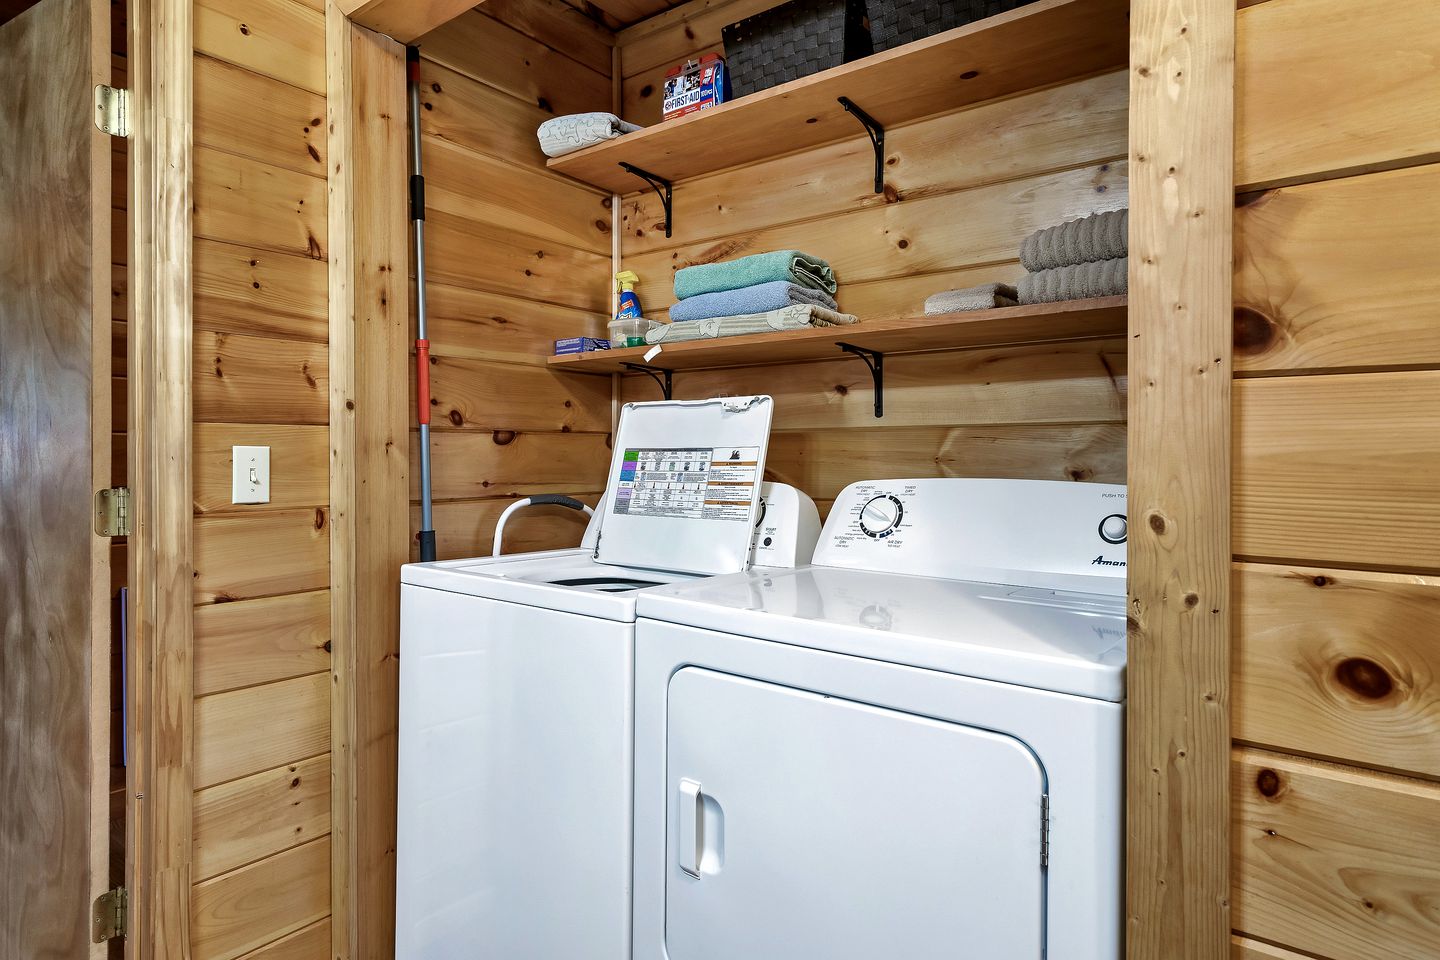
[{"x": 791, "y": 266}]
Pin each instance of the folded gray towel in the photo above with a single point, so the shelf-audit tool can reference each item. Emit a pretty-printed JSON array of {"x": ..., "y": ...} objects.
[
  {"x": 797, "y": 317},
  {"x": 984, "y": 297},
  {"x": 760, "y": 298},
  {"x": 1081, "y": 281},
  {"x": 1100, "y": 236},
  {"x": 576, "y": 131}
]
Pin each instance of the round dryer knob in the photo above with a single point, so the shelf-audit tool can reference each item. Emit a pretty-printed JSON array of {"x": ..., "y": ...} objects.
[
  {"x": 881, "y": 515},
  {"x": 1113, "y": 529}
]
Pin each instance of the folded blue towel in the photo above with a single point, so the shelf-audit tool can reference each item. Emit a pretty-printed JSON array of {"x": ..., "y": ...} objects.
[
  {"x": 789, "y": 266},
  {"x": 760, "y": 298}
]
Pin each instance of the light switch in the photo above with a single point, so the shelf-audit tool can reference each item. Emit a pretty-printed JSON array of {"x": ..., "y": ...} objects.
[{"x": 250, "y": 474}]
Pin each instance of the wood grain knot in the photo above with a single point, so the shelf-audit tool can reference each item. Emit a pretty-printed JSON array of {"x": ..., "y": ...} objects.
[
  {"x": 503, "y": 437},
  {"x": 1320, "y": 580},
  {"x": 1157, "y": 523},
  {"x": 1192, "y": 600},
  {"x": 319, "y": 518},
  {"x": 969, "y": 74},
  {"x": 1365, "y": 678},
  {"x": 1253, "y": 332},
  {"x": 457, "y": 418},
  {"x": 646, "y": 91},
  {"x": 1268, "y": 783}
]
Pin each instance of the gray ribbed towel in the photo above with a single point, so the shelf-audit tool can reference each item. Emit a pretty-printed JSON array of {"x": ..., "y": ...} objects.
[
  {"x": 1078, "y": 282},
  {"x": 984, "y": 297},
  {"x": 798, "y": 317},
  {"x": 1100, "y": 236},
  {"x": 760, "y": 298},
  {"x": 576, "y": 131}
]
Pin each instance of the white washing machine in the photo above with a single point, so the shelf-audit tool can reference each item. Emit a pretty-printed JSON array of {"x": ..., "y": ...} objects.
[
  {"x": 516, "y": 690},
  {"x": 911, "y": 749}
]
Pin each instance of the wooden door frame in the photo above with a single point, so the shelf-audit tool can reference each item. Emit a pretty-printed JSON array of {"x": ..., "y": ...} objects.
[
  {"x": 1178, "y": 722},
  {"x": 369, "y": 366},
  {"x": 160, "y": 725}
]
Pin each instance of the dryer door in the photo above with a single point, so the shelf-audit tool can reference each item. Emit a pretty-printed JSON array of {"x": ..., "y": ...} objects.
[{"x": 801, "y": 825}]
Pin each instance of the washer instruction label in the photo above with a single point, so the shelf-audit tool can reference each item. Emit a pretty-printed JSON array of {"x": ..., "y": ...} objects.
[{"x": 696, "y": 483}]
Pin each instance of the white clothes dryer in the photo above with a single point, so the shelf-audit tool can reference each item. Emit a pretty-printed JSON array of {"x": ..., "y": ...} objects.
[
  {"x": 912, "y": 748},
  {"x": 516, "y": 692}
]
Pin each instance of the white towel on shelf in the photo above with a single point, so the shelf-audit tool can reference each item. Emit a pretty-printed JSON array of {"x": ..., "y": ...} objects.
[
  {"x": 798, "y": 317},
  {"x": 576, "y": 131}
]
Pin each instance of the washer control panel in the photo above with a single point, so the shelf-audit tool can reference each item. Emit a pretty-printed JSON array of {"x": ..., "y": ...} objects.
[{"x": 961, "y": 529}]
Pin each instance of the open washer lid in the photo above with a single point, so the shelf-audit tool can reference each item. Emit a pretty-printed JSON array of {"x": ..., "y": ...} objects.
[{"x": 684, "y": 484}]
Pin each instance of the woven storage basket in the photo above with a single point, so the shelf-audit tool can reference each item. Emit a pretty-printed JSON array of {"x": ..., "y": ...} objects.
[
  {"x": 893, "y": 22},
  {"x": 794, "y": 40}
]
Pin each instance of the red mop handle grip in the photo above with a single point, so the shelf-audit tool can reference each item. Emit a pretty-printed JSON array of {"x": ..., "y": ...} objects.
[{"x": 422, "y": 382}]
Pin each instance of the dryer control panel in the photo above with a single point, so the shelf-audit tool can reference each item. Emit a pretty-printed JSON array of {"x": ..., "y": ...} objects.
[{"x": 974, "y": 529}]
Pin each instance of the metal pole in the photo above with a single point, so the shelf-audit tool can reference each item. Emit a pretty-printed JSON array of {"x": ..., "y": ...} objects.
[{"x": 422, "y": 343}]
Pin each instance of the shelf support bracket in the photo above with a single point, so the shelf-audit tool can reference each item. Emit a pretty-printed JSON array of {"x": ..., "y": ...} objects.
[
  {"x": 875, "y": 360},
  {"x": 654, "y": 374},
  {"x": 877, "y": 139},
  {"x": 660, "y": 185}
]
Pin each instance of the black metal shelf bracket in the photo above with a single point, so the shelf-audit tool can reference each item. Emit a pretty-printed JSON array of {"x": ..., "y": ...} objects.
[
  {"x": 875, "y": 360},
  {"x": 877, "y": 139},
  {"x": 654, "y": 374},
  {"x": 660, "y": 185}
]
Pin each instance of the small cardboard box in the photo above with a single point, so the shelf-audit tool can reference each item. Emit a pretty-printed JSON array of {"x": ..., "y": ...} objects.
[
  {"x": 579, "y": 345},
  {"x": 695, "y": 85}
]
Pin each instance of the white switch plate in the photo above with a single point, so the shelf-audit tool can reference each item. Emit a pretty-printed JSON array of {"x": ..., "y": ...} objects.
[{"x": 250, "y": 475}]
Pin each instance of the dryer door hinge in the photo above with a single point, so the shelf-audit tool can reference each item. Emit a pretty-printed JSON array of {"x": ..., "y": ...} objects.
[
  {"x": 112, "y": 110},
  {"x": 112, "y": 512},
  {"x": 107, "y": 920},
  {"x": 1044, "y": 830}
]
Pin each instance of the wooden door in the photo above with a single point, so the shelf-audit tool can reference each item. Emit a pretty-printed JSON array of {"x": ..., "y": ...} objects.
[{"x": 54, "y": 454}]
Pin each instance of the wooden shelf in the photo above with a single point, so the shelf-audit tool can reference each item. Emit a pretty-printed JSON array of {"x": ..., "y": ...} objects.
[
  {"x": 1007, "y": 326},
  {"x": 1044, "y": 43}
]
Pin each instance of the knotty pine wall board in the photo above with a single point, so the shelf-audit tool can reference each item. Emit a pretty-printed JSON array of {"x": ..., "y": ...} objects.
[
  {"x": 239, "y": 911},
  {"x": 509, "y": 463},
  {"x": 250, "y": 642},
  {"x": 259, "y": 380},
  {"x": 1339, "y": 273},
  {"x": 239, "y": 200},
  {"x": 240, "y": 289},
  {"x": 240, "y": 732},
  {"x": 485, "y": 49},
  {"x": 1339, "y": 469},
  {"x": 482, "y": 325},
  {"x": 1335, "y": 862},
  {"x": 1319, "y": 91},
  {"x": 261, "y": 554},
  {"x": 557, "y": 25},
  {"x": 280, "y": 39},
  {"x": 1338, "y": 664},
  {"x": 289, "y": 132},
  {"x": 244, "y": 820}
]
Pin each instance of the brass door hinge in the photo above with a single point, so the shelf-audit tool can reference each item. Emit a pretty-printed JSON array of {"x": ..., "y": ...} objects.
[
  {"x": 112, "y": 512},
  {"x": 107, "y": 919},
  {"x": 112, "y": 110}
]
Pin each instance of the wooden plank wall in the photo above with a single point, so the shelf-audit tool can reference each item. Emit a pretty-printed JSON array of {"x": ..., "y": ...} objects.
[
  {"x": 261, "y": 853},
  {"x": 962, "y": 190},
  {"x": 517, "y": 257},
  {"x": 1336, "y": 503}
]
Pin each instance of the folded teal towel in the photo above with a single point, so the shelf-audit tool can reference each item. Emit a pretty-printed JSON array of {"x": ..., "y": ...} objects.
[
  {"x": 791, "y": 266},
  {"x": 761, "y": 298}
]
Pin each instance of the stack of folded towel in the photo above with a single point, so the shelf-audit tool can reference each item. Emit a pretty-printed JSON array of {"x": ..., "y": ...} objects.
[
  {"x": 1084, "y": 258},
  {"x": 782, "y": 290}
]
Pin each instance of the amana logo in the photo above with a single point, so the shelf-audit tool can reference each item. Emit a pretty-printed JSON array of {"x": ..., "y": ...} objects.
[{"x": 1100, "y": 561}]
